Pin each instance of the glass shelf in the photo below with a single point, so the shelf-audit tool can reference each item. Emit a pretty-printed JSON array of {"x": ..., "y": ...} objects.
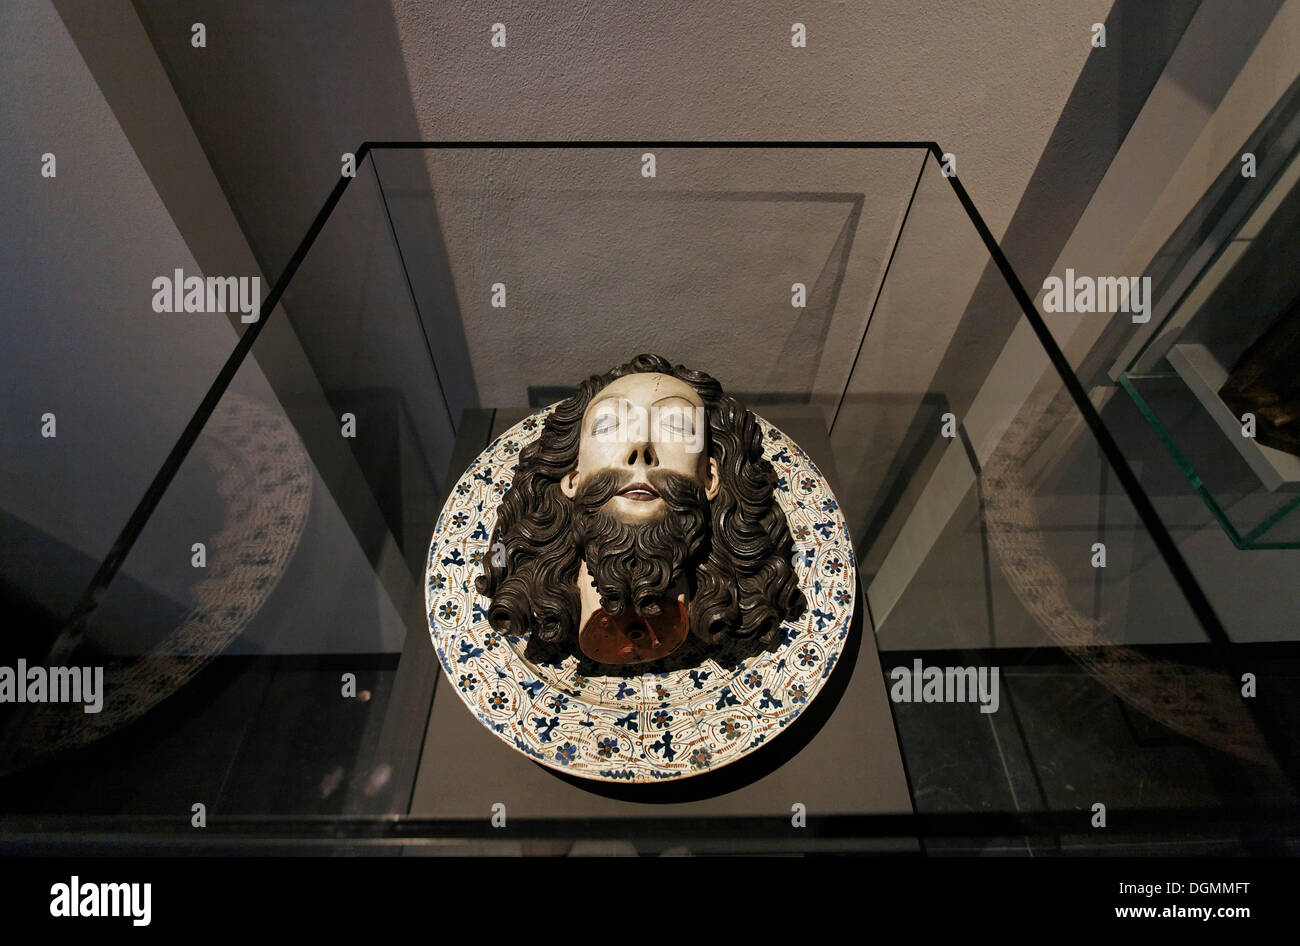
[
  {"x": 1252, "y": 517},
  {"x": 1224, "y": 277}
]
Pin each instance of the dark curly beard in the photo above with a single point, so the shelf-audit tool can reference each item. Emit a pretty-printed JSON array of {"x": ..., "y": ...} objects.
[
  {"x": 742, "y": 583},
  {"x": 637, "y": 565}
]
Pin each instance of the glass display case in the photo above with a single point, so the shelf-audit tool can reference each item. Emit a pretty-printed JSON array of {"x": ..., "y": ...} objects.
[
  {"x": 1227, "y": 275},
  {"x": 257, "y": 594}
]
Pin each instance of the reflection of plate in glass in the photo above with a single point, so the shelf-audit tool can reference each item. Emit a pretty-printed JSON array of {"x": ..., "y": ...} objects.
[
  {"x": 692, "y": 713},
  {"x": 263, "y": 491}
]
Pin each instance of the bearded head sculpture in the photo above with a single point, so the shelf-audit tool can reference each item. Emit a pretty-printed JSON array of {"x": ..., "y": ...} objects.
[{"x": 643, "y": 514}]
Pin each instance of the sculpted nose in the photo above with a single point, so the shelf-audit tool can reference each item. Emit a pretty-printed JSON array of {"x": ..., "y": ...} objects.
[{"x": 644, "y": 455}]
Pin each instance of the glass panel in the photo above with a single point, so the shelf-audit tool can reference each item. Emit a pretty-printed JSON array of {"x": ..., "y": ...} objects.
[
  {"x": 757, "y": 266},
  {"x": 995, "y": 536},
  {"x": 251, "y": 641},
  {"x": 97, "y": 385},
  {"x": 1251, "y": 516},
  {"x": 1214, "y": 376},
  {"x": 678, "y": 263}
]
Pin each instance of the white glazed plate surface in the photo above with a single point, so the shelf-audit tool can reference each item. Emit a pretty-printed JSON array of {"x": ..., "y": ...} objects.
[{"x": 651, "y": 726}]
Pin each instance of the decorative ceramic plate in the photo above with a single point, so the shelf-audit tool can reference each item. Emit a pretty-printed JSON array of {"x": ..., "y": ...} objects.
[{"x": 714, "y": 708}]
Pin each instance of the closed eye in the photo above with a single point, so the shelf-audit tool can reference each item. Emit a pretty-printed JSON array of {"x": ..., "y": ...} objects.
[{"x": 677, "y": 421}]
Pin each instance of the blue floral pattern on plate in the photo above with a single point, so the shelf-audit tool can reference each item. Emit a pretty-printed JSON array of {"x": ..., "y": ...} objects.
[{"x": 659, "y": 725}]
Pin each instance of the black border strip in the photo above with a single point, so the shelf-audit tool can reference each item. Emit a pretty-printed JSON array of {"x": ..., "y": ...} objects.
[
  {"x": 1277, "y": 823},
  {"x": 862, "y": 145}
]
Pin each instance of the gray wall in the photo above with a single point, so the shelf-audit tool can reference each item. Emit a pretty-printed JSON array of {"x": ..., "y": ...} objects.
[{"x": 77, "y": 257}]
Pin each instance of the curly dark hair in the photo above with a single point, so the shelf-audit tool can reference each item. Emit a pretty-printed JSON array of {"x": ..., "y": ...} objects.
[{"x": 741, "y": 582}]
